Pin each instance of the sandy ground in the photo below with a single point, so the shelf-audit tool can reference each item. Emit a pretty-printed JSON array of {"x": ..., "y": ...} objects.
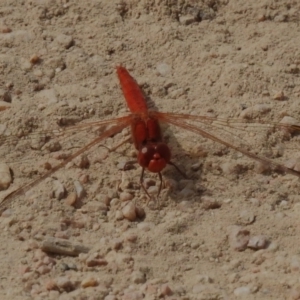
[{"x": 230, "y": 231}]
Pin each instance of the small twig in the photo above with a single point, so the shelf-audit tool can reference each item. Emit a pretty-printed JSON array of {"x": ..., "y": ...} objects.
[{"x": 63, "y": 247}]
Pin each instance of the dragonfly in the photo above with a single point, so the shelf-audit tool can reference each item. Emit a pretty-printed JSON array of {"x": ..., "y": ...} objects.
[{"x": 153, "y": 154}]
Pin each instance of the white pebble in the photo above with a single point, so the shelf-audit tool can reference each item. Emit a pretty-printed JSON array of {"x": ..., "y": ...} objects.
[
  {"x": 80, "y": 192},
  {"x": 59, "y": 190},
  {"x": 163, "y": 69},
  {"x": 47, "y": 96},
  {"x": 145, "y": 226},
  {"x": 242, "y": 291},
  {"x": 153, "y": 190}
]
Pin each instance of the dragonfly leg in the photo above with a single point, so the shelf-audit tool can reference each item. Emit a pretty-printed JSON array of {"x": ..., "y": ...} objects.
[
  {"x": 143, "y": 187},
  {"x": 178, "y": 170},
  {"x": 160, "y": 185},
  {"x": 145, "y": 190}
]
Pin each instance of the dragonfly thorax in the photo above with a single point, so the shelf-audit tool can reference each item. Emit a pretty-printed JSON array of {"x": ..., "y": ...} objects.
[{"x": 154, "y": 157}]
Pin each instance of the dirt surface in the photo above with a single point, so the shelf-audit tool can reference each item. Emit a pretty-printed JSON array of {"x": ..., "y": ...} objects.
[{"x": 229, "y": 231}]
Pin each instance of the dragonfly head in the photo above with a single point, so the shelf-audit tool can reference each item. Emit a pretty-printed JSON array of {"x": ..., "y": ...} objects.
[{"x": 154, "y": 157}]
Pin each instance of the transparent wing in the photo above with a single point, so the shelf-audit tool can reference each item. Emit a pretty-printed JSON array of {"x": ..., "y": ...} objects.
[
  {"x": 253, "y": 139},
  {"x": 12, "y": 145}
]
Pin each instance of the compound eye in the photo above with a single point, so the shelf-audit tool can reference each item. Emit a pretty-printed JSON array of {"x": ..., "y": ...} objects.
[{"x": 145, "y": 155}]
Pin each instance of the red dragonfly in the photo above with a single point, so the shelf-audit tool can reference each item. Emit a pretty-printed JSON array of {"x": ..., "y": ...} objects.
[{"x": 153, "y": 154}]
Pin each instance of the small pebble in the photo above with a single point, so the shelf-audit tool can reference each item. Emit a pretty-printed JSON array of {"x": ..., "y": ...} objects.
[
  {"x": 242, "y": 291},
  {"x": 93, "y": 262},
  {"x": 65, "y": 40},
  {"x": 34, "y": 59},
  {"x": 165, "y": 290},
  {"x": 288, "y": 123},
  {"x": 295, "y": 264},
  {"x": 5, "y": 96},
  {"x": 50, "y": 285},
  {"x": 5, "y": 29},
  {"x": 71, "y": 199},
  {"x": 140, "y": 212},
  {"x": 129, "y": 211},
  {"x": 64, "y": 283},
  {"x": 138, "y": 277},
  {"x": 39, "y": 255},
  {"x": 196, "y": 167},
  {"x": 82, "y": 162},
  {"x": 80, "y": 191},
  {"x": 186, "y": 206},
  {"x": 25, "y": 64},
  {"x": 204, "y": 278},
  {"x": 114, "y": 202},
  {"x": 258, "y": 242},
  {"x": 247, "y": 217},
  {"x": 149, "y": 182},
  {"x": 279, "y": 96},
  {"x": 117, "y": 243},
  {"x": 163, "y": 69},
  {"x": 238, "y": 237},
  {"x": 119, "y": 215},
  {"x": 153, "y": 190},
  {"x": 5, "y": 177},
  {"x": 23, "y": 269},
  {"x": 210, "y": 203},
  {"x": 43, "y": 270},
  {"x": 125, "y": 196},
  {"x": 187, "y": 19},
  {"x": 7, "y": 213},
  {"x": 88, "y": 282},
  {"x": 104, "y": 199},
  {"x": 134, "y": 295},
  {"x": 255, "y": 111},
  {"x": 145, "y": 226},
  {"x": 3, "y": 106},
  {"x": 49, "y": 260},
  {"x": 59, "y": 190},
  {"x": 186, "y": 192},
  {"x": 131, "y": 237}
]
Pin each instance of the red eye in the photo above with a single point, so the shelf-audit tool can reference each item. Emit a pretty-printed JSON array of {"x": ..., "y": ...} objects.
[{"x": 145, "y": 155}]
